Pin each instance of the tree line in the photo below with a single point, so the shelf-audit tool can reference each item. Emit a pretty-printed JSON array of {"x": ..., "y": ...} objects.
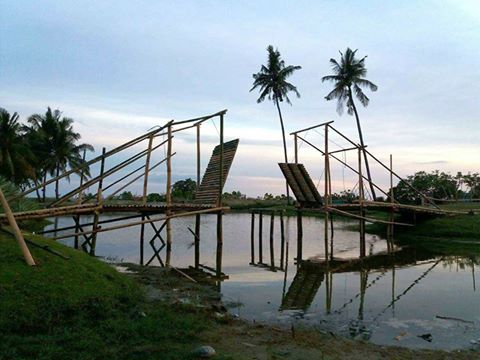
[
  {"x": 46, "y": 145},
  {"x": 438, "y": 185}
]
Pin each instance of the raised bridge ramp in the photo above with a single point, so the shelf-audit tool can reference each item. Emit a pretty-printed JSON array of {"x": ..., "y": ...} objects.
[{"x": 301, "y": 184}]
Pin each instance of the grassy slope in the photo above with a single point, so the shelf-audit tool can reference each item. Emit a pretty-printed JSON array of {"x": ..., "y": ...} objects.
[{"x": 82, "y": 308}]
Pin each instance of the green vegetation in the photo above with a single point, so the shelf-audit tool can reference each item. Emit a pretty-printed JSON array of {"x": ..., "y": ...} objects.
[
  {"x": 347, "y": 75},
  {"x": 84, "y": 309},
  {"x": 184, "y": 190},
  {"x": 272, "y": 83},
  {"x": 46, "y": 147},
  {"x": 438, "y": 185}
]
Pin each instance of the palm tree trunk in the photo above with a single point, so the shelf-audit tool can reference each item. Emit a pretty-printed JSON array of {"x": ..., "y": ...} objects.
[
  {"x": 365, "y": 157},
  {"x": 35, "y": 182},
  {"x": 44, "y": 190},
  {"x": 284, "y": 146},
  {"x": 57, "y": 195}
]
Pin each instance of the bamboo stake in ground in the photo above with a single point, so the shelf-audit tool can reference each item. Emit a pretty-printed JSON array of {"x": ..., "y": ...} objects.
[{"x": 18, "y": 234}]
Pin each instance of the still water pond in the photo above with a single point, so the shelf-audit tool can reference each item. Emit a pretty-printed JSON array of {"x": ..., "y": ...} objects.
[{"x": 422, "y": 294}]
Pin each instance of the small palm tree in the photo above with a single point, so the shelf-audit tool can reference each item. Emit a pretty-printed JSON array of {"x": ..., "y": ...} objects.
[
  {"x": 56, "y": 140},
  {"x": 272, "y": 81},
  {"x": 16, "y": 159},
  {"x": 349, "y": 78}
]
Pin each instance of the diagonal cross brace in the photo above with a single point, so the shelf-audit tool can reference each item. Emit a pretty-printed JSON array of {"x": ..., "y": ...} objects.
[{"x": 157, "y": 235}]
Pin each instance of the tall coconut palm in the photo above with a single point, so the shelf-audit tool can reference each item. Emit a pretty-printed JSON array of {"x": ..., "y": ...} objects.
[
  {"x": 16, "y": 159},
  {"x": 349, "y": 79},
  {"x": 272, "y": 81},
  {"x": 56, "y": 140}
]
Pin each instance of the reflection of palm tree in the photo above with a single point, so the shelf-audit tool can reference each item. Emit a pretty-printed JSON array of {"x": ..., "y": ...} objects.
[
  {"x": 349, "y": 79},
  {"x": 57, "y": 140},
  {"x": 272, "y": 81},
  {"x": 16, "y": 159}
]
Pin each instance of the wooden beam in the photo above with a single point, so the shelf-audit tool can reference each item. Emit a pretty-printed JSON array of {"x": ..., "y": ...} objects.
[
  {"x": 16, "y": 230},
  {"x": 151, "y": 220},
  {"x": 311, "y": 127}
]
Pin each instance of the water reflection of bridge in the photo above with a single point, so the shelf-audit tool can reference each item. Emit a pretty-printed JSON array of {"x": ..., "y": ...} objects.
[{"x": 311, "y": 274}]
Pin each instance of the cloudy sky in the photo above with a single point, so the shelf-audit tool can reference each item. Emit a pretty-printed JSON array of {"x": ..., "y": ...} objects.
[{"x": 120, "y": 67}]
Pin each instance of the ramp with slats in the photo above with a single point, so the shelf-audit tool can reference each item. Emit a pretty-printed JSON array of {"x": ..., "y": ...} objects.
[
  {"x": 301, "y": 184},
  {"x": 210, "y": 185}
]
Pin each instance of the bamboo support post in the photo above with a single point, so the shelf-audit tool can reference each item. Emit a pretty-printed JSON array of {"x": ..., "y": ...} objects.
[
  {"x": 82, "y": 175},
  {"x": 392, "y": 202},
  {"x": 96, "y": 215},
  {"x": 272, "y": 227},
  {"x": 361, "y": 202},
  {"x": 220, "y": 213},
  {"x": 168, "y": 195},
  {"x": 197, "y": 241},
  {"x": 147, "y": 168},
  {"x": 197, "y": 217},
  {"x": 100, "y": 182},
  {"x": 299, "y": 237},
  {"x": 79, "y": 201},
  {"x": 295, "y": 139},
  {"x": 330, "y": 215},
  {"x": 282, "y": 239},
  {"x": 16, "y": 230},
  {"x": 260, "y": 237},
  {"x": 252, "y": 239},
  {"x": 142, "y": 240},
  {"x": 326, "y": 195}
]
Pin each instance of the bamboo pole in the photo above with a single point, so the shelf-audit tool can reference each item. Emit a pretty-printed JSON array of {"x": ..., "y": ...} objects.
[
  {"x": 79, "y": 201},
  {"x": 361, "y": 202},
  {"x": 272, "y": 226},
  {"x": 219, "y": 214},
  {"x": 142, "y": 240},
  {"x": 326, "y": 195},
  {"x": 148, "y": 221},
  {"x": 197, "y": 240},
  {"x": 330, "y": 202},
  {"x": 252, "y": 239},
  {"x": 311, "y": 127},
  {"x": 197, "y": 217},
  {"x": 260, "y": 237},
  {"x": 299, "y": 237},
  {"x": 368, "y": 219},
  {"x": 392, "y": 199},
  {"x": 96, "y": 216},
  {"x": 16, "y": 230},
  {"x": 82, "y": 174},
  {"x": 147, "y": 168},
  {"x": 282, "y": 239},
  {"x": 168, "y": 195},
  {"x": 295, "y": 139}
]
